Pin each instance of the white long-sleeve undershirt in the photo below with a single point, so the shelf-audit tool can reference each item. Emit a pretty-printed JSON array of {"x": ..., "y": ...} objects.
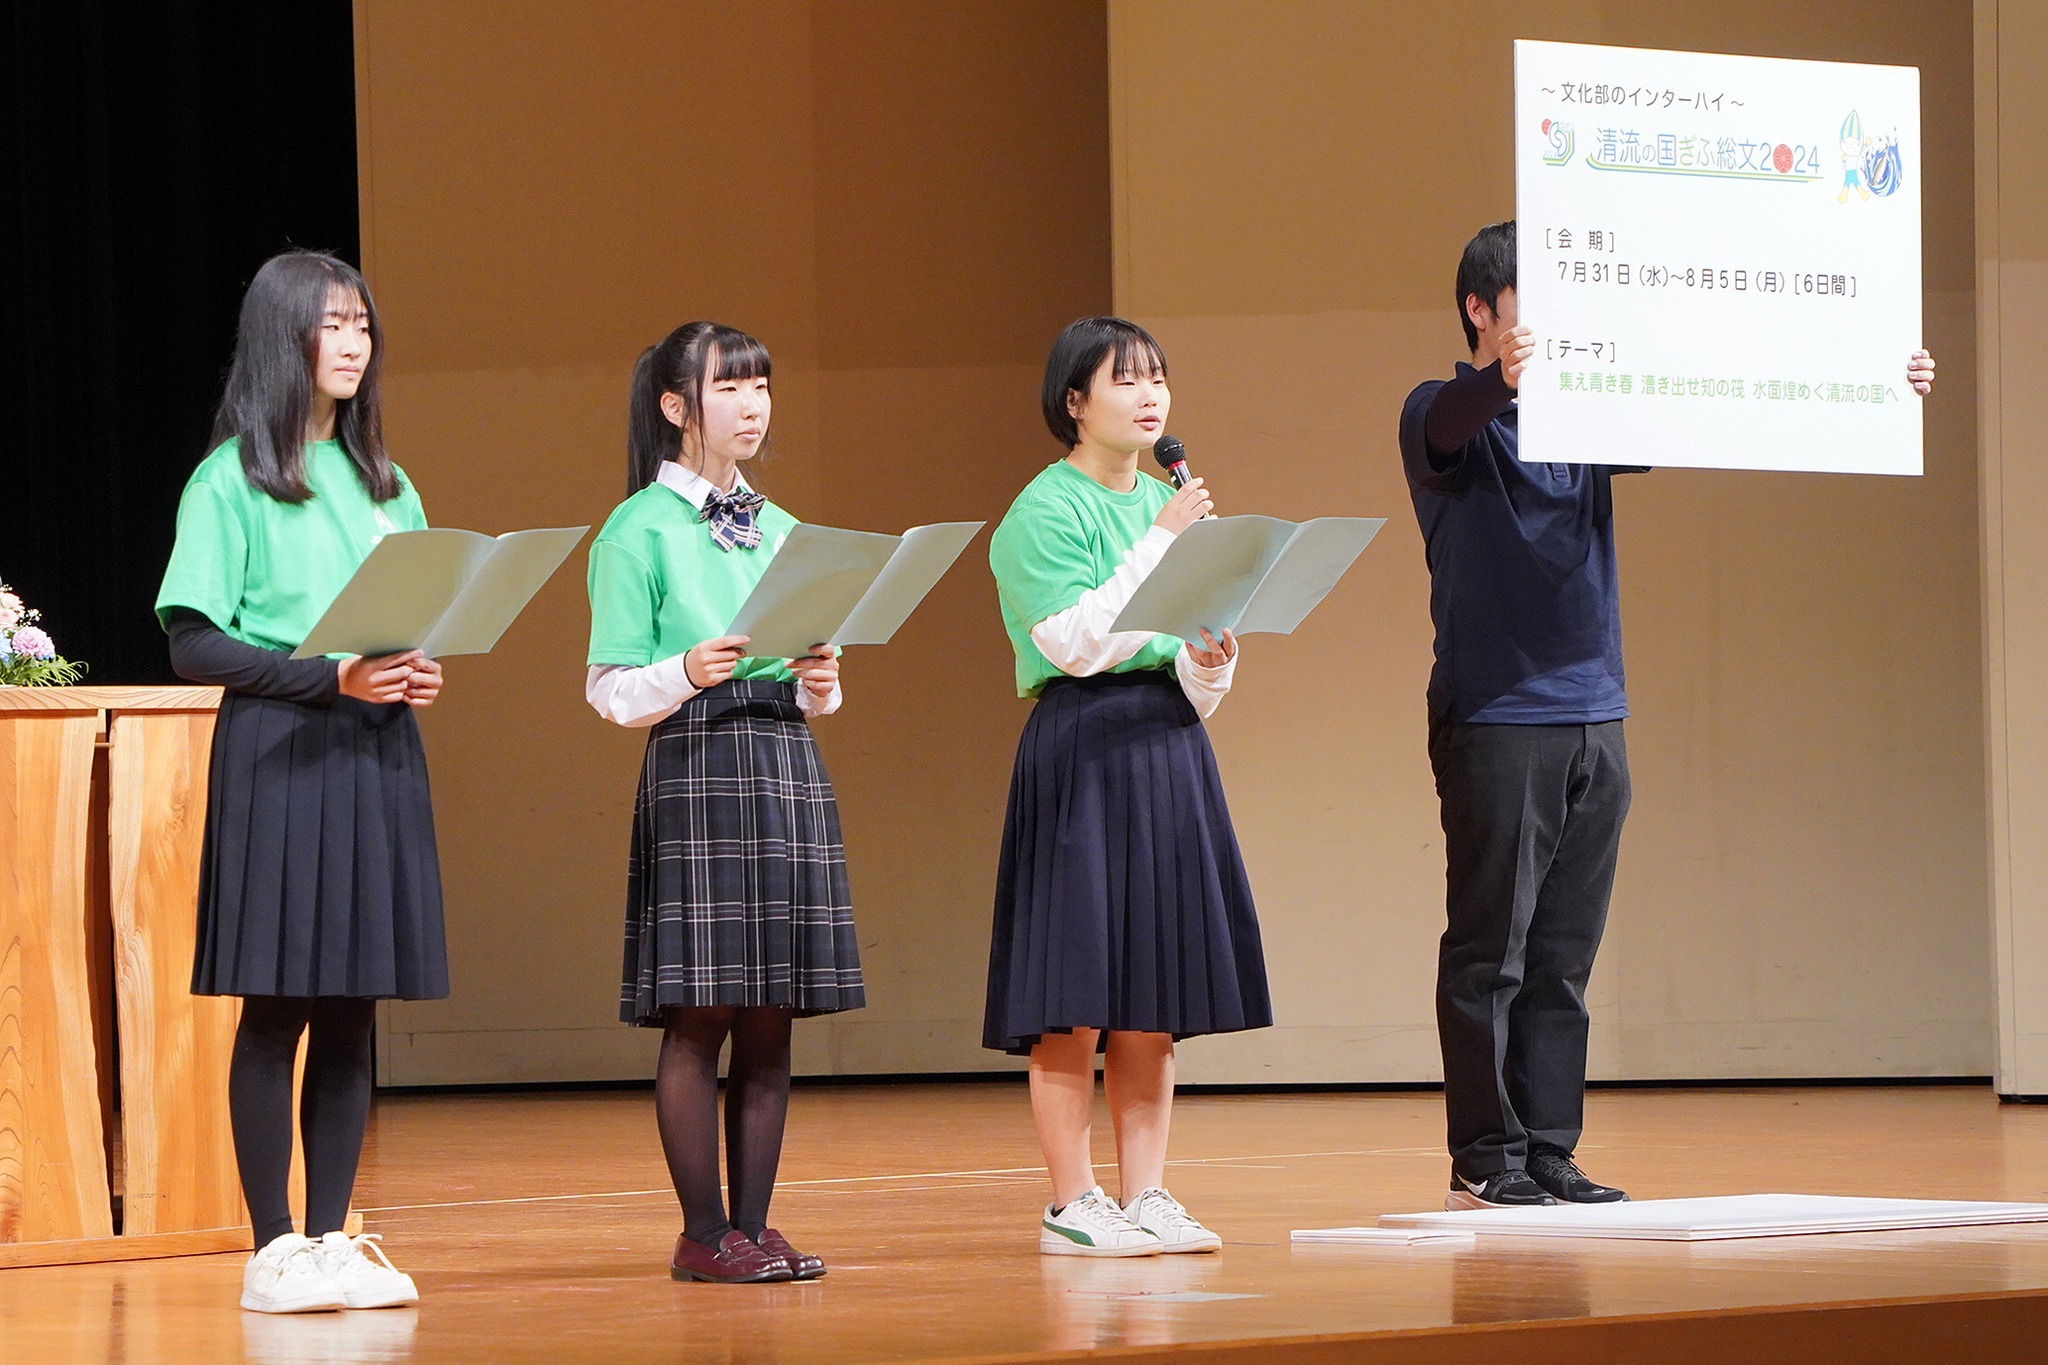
[
  {"x": 650, "y": 694},
  {"x": 1080, "y": 643}
]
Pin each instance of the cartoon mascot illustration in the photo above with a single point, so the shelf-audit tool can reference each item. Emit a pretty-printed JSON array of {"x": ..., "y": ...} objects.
[
  {"x": 1853, "y": 148},
  {"x": 1882, "y": 170}
]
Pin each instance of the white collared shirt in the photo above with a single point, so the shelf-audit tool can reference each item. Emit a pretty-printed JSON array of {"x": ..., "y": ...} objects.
[
  {"x": 637, "y": 697},
  {"x": 693, "y": 487}
]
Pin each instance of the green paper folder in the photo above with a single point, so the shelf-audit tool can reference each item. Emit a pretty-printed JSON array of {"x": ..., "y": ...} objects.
[
  {"x": 1247, "y": 574},
  {"x": 441, "y": 590},
  {"x": 828, "y": 586}
]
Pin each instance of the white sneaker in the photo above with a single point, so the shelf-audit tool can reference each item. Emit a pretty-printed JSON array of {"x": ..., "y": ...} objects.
[
  {"x": 367, "y": 1279},
  {"x": 1093, "y": 1226},
  {"x": 1160, "y": 1214},
  {"x": 288, "y": 1277}
]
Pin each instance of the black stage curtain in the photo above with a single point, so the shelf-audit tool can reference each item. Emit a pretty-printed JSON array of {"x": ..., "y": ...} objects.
[{"x": 154, "y": 156}]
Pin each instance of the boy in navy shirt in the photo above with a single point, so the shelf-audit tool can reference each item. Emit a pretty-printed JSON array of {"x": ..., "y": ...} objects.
[{"x": 1526, "y": 704}]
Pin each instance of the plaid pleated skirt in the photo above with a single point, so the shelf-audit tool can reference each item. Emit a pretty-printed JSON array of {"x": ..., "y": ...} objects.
[
  {"x": 1121, "y": 898},
  {"x": 319, "y": 874},
  {"x": 736, "y": 890}
]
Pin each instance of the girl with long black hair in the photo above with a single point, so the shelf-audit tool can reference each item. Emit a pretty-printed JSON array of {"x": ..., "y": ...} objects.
[
  {"x": 320, "y": 888},
  {"x": 738, "y": 917}
]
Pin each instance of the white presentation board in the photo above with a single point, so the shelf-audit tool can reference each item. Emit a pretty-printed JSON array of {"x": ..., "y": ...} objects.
[
  {"x": 1719, "y": 258},
  {"x": 1722, "y": 1217}
]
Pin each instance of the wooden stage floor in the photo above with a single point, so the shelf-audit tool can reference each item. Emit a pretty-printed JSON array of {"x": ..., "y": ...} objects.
[{"x": 538, "y": 1226}]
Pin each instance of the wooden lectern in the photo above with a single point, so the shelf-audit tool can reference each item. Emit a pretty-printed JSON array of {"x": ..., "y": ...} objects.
[{"x": 102, "y": 809}]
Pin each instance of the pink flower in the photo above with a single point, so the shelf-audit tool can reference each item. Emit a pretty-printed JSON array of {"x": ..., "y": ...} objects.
[
  {"x": 34, "y": 643},
  {"x": 10, "y": 610}
]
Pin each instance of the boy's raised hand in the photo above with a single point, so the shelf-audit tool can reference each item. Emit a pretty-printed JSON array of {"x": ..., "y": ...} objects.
[
  {"x": 1517, "y": 349},
  {"x": 1920, "y": 372}
]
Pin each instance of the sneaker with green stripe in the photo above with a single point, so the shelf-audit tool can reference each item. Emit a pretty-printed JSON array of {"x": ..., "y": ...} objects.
[
  {"x": 1160, "y": 1214},
  {"x": 1093, "y": 1225}
]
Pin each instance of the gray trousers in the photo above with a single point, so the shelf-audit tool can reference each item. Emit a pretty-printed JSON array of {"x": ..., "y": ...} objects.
[{"x": 1532, "y": 819}]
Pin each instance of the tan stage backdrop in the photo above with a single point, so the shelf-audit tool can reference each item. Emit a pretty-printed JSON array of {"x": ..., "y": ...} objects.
[
  {"x": 2012, "y": 247},
  {"x": 906, "y": 201},
  {"x": 1802, "y": 883}
]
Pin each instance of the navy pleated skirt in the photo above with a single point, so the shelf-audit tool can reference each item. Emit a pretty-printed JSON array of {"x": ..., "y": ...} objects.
[
  {"x": 736, "y": 892},
  {"x": 319, "y": 874},
  {"x": 1121, "y": 899}
]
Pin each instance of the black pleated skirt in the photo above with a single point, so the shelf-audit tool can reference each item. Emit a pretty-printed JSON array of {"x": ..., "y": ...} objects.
[
  {"x": 319, "y": 874},
  {"x": 736, "y": 890},
  {"x": 1121, "y": 899}
]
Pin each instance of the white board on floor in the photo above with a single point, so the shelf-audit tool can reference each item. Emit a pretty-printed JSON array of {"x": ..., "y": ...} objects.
[
  {"x": 1725, "y": 1216},
  {"x": 1403, "y": 1237}
]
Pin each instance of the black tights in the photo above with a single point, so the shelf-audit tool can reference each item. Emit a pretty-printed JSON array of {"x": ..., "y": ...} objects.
[
  {"x": 756, "y": 1104},
  {"x": 334, "y": 1108}
]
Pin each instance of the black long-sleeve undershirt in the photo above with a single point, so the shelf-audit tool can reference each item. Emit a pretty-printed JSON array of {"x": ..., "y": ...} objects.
[
  {"x": 1460, "y": 410},
  {"x": 202, "y": 652}
]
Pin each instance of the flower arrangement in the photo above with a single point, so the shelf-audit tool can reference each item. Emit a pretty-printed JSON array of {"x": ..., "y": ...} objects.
[{"x": 28, "y": 656}]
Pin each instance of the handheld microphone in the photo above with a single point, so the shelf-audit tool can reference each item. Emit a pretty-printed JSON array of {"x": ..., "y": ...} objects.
[{"x": 1173, "y": 457}]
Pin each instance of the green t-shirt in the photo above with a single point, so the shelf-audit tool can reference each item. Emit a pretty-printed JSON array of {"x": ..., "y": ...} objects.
[
  {"x": 659, "y": 584},
  {"x": 1063, "y": 536},
  {"x": 264, "y": 570}
]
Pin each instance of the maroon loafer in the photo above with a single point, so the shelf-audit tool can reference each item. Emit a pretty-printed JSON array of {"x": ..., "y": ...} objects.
[
  {"x": 737, "y": 1261},
  {"x": 802, "y": 1265}
]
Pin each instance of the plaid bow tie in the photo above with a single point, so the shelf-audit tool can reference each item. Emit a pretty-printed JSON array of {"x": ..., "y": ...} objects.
[{"x": 732, "y": 519}]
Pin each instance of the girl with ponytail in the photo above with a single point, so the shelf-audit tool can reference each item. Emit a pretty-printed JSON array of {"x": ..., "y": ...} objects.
[{"x": 738, "y": 917}]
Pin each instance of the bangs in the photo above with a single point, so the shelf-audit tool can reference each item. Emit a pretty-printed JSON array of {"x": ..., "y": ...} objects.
[
  {"x": 1137, "y": 354},
  {"x": 270, "y": 386},
  {"x": 344, "y": 300},
  {"x": 1077, "y": 357},
  {"x": 737, "y": 356}
]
